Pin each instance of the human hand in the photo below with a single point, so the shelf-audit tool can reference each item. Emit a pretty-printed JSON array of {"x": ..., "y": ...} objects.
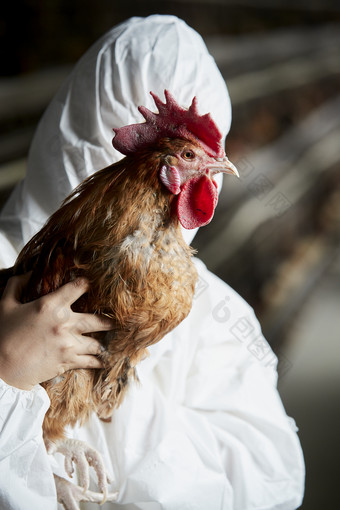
[{"x": 44, "y": 338}]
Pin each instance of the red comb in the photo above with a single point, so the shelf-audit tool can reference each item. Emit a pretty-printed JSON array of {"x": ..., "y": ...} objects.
[{"x": 172, "y": 121}]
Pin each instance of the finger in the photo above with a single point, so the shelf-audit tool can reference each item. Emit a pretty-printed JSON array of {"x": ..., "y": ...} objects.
[
  {"x": 87, "y": 345},
  {"x": 88, "y": 362},
  {"x": 15, "y": 287},
  {"x": 71, "y": 291},
  {"x": 90, "y": 322}
]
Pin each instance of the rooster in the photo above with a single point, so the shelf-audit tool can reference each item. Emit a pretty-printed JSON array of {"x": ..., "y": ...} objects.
[{"x": 120, "y": 229}]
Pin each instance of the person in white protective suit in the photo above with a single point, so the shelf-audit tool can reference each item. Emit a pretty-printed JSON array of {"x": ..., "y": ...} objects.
[{"x": 205, "y": 428}]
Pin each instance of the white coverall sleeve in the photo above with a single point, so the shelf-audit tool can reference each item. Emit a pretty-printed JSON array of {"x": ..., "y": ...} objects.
[{"x": 26, "y": 480}]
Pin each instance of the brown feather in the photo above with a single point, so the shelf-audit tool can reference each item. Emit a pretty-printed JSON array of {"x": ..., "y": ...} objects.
[{"x": 118, "y": 230}]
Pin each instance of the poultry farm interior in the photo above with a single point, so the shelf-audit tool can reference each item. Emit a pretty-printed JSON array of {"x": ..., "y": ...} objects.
[{"x": 275, "y": 234}]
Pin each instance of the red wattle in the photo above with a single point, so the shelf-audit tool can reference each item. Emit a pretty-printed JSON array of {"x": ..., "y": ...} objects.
[{"x": 196, "y": 202}]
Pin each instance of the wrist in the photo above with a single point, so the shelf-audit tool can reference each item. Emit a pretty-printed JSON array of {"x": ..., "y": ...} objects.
[{"x": 12, "y": 377}]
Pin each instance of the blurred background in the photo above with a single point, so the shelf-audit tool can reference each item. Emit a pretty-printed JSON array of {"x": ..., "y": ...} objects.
[{"x": 275, "y": 235}]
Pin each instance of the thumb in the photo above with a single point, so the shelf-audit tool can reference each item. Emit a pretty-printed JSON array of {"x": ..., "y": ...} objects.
[{"x": 15, "y": 287}]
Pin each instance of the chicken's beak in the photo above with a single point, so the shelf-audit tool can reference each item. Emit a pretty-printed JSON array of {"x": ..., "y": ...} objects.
[{"x": 225, "y": 166}]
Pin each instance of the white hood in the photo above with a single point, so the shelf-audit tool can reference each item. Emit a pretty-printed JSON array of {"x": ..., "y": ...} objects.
[{"x": 74, "y": 137}]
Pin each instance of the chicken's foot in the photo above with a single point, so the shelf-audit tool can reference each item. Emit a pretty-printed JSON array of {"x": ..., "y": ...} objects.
[
  {"x": 69, "y": 495},
  {"x": 83, "y": 456}
]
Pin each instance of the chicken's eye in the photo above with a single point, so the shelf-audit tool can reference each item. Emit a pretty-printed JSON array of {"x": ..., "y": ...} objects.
[{"x": 188, "y": 154}]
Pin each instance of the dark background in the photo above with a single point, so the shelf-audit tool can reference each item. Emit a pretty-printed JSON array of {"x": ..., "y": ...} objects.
[{"x": 275, "y": 234}]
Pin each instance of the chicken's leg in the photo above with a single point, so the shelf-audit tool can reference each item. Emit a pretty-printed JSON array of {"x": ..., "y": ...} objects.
[{"x": 81, "y": 454}]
